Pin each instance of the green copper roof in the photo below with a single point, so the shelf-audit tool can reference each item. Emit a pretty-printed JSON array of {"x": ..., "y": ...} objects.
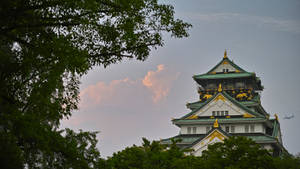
[
  {"x": 185, "y": 138},
  {"x": 229, "y": 98},
  {"x": 194, "y": 105},
  {"x": 220, "y": 120},
  {"x": 190, "y": 139},
  {"x": 224, "y": 75},
  {"x": 262, "y": 139},
  {"x": 197, "y": 104}
]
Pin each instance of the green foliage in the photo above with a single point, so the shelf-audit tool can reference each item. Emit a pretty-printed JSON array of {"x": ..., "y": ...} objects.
[
  {"x": 45, "y": 47},
  {"x": 287, "y": 161},
  {"x": 234, "y": 153},
  {"x": 237, "y": 152},
  {"x": 148, "y": 156}
]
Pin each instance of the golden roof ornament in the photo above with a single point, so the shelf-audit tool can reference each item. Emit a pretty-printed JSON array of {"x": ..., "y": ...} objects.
[
  {"x": 193, "y": 117},
  {"x": 276, "y": 117},
  {"x": 220, "y": 88},
  {"x": 225, "y": 54},
  {"x": 216, "y": 124}
]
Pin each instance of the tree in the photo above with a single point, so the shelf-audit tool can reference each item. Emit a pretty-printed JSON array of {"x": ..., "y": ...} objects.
[
  {"x": 237, "y": 152},
  {"x": 287, "y": 161},
  {"x": 45, "y": 47},
  {"x": 151, "y": 155},
  {"x": 234, "y": 153}
]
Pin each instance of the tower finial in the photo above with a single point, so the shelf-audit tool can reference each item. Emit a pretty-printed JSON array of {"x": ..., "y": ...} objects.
[
  {"x": 216, "y": 124},
  {"x": 225, "y": 54}
]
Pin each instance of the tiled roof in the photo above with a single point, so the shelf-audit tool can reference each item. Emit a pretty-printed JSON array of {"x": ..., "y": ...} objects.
[
  {"x": 237, "y": 103},
  {"x": 224, "y": 76},
  {"x": 258, "y": 137},
  {"x": 185, "y": 138},
  {"x": 220, "y": 120},
  {"x": 191, "y": 139}
]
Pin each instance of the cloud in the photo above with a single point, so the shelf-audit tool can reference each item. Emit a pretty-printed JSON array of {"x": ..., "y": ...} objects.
[
  {"x": 125, "y": 92},
  {"x": 124, "y": 110},
  {"x": 276, "y": 24},
  {"x": 159, "y": 82}
]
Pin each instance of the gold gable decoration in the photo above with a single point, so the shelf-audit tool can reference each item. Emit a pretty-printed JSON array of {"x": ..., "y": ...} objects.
[
  {"x": 247, "y": 115},
  {"x": 207, "y": 96},
  {"x": 216, "y": 134},
  {"x": 241, "y": 95},
  {"x": 193, "y": 117},
  {"x": 220, "y": 97},
  {"x": 216, "y": 124},
  {"x": 225, "y": 62}
]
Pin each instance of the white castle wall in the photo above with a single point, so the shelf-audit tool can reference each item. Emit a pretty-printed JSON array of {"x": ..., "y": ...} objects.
[{"x": 239, "y": 128}]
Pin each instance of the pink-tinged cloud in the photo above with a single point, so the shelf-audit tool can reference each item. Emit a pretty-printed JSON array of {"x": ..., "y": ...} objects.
[
  {"x": 107, "y": 94},
  {"x": 155, "y": 86},
  {"x": 159, "y": 82}
]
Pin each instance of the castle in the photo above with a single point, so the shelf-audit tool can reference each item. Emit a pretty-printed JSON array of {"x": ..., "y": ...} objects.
[{"x": 229, "y": 105}]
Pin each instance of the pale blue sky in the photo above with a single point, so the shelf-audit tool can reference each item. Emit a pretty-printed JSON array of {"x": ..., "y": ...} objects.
[{"x": 131, "y": 100}]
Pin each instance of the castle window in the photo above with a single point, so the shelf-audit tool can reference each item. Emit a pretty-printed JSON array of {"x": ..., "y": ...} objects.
[
  {"x": 227, "y": 129},
  {"x": 246, "y": 128},
  {"x": 194, "y": 130},
  {"x": 232, "y": 129},
  {"x": 252, "y": 127},
  {"x": 189, "y": 130},
  {"x": 219, "y": 113}
]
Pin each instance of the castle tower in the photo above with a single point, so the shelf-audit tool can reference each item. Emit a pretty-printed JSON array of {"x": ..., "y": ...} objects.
[{"x": 229, "y": 105}]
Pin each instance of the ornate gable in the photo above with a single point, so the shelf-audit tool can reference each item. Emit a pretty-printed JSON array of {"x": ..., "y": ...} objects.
[
  {"x": 221, "y": 105},
  {"x": 226, "y": 66},
  {"x": 214, "y": 136}
]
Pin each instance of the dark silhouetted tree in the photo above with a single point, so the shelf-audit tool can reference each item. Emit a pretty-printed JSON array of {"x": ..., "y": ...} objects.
[{"x": 45, "y": 47}]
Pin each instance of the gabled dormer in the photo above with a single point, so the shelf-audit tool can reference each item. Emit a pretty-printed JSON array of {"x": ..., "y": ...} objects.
[
  {"x": 215, "y": 135},
  {"x": 221, "y": 105},
  {"x": 226, "y": 66}
]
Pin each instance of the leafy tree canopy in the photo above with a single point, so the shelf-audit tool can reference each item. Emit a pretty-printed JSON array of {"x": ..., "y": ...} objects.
[
  {"x": 233, "y": 153},
  {"x": 45, "y": 46},
  {"x": 151, "y": 155},
  {"x": 237, "y": 152}
]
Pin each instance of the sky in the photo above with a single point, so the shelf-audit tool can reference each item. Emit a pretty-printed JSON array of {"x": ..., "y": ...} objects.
[{"x": 132, "y": 99}]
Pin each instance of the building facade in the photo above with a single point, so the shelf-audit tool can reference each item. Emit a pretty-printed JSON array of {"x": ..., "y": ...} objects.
[{"x": 229, "y": 105}]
